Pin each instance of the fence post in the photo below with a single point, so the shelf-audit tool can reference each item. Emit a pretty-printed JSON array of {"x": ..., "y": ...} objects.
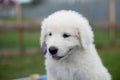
[
  {"x": 112, "y": 21},
  {"x": 86, "y": 10},
  {"x": 19, "y": 25}
]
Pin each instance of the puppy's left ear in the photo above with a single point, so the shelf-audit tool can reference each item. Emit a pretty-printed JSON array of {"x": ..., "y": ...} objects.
[{"x": 85, "y": 35}]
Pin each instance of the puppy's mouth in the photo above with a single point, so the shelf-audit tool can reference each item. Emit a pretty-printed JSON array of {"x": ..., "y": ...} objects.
[{"x": 55, "y": 57}]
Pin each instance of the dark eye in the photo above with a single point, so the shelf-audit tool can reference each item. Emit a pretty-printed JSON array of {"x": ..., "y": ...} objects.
[
  {"x": 65, "y": 35},
  {"x": 50, "y": 34}
]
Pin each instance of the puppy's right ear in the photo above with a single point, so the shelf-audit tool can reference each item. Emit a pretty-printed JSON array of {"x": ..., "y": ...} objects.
[
  {"x": 43, "y": 39},
  {"x": 43, "y": 36}
]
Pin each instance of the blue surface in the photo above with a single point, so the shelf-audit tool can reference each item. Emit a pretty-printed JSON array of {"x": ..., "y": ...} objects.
[
  {"x": 43, "y": 78},
  {"x": 27, "y": 78}
]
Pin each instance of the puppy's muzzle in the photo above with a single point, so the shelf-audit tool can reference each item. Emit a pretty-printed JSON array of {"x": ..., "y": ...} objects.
[{"x": 53, "y": 50}]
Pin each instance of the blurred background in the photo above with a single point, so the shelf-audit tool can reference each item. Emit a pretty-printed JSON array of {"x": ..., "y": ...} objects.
[{"x": 20, "y": 20}]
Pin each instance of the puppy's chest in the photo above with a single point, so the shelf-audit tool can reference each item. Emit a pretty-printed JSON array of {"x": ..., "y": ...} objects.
[{"x": 69, "y": 73}]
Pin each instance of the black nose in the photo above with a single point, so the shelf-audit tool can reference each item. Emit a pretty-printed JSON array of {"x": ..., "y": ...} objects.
[{"x": 53, "y": 50}]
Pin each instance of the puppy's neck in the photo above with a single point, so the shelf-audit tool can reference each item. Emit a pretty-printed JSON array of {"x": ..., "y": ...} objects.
[{"x": 78, "y": 54}]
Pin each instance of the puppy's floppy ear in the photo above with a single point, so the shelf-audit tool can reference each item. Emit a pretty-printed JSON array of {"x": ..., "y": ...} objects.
[
  {"x": 43, "y": 39},
  {"x": 85, "y": 35},
  {"x": 43, "y": 36}
]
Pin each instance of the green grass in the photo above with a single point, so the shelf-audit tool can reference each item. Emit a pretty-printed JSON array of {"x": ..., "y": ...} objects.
[
  {"x": 12, "y": 67},
  {"x": 17, "y": 66},
  {"x": 10, "y": 39},
  {"x": 102, "y": 37},
  {"x": 32, "y": 39},
  {"x": 111, "y": 60}
]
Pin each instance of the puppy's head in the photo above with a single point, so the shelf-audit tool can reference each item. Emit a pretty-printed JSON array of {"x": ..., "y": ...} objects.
[{"x": 63, "y": 31}]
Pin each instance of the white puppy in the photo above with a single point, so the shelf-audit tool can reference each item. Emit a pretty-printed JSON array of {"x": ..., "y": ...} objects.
[{"x": 70, "y": 52}]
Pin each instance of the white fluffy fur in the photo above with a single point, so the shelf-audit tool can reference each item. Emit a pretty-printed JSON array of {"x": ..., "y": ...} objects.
[{"x": 82, "y": 62}]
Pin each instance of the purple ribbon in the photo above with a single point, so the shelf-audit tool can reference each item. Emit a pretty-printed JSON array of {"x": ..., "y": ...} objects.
[{"x": 45, "y": 51}]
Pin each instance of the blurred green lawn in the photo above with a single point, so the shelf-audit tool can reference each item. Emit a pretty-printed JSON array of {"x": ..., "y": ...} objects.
[
  {"x": 9, "y": 40},
  {"x": 16, "y": 66}
]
